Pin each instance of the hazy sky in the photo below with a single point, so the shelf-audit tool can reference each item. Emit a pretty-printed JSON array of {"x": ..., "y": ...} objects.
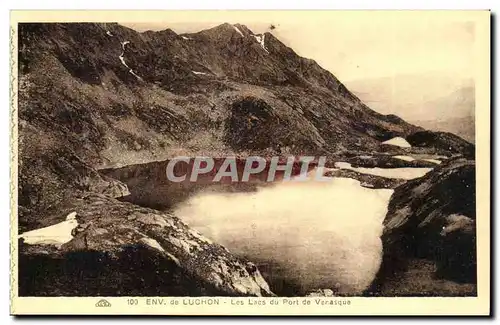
[{"x": 355, "y": 45}]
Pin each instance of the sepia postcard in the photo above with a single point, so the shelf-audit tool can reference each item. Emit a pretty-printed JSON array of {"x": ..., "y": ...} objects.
[{"x": 250, "y": 163}]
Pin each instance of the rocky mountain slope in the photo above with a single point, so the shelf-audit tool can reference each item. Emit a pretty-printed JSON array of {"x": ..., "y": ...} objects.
[
  {"x": 127, "y": 250},
  {"x": 94, "y": 96},
  {"x": 461, "y": 126},
  {"x": 430, "y": 232}
]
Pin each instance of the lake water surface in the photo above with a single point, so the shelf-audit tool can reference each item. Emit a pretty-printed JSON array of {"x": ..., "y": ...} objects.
[{"x": 307, "y": 235}]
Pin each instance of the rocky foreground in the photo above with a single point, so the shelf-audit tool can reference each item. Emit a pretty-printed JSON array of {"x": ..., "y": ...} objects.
[
  {"x": 102, "y": 96},
  {"x": 119, "y": 248}
]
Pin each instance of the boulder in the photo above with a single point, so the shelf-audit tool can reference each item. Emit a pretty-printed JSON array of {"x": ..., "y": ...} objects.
[{"x": 433, "y": 218}]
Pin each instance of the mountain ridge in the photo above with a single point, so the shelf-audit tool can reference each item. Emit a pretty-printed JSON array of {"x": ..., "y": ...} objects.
[{"x": 96, "y": 96}]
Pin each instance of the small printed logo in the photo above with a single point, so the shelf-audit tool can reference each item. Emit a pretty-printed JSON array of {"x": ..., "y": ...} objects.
[{"x": 103, "y": 303}]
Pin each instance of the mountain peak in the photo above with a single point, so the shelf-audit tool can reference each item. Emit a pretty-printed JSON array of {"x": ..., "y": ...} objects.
[
  {"x": 225, "y": 27},
  {"x": 228, "y": 30},
  {"x": 168, "y": 31}
]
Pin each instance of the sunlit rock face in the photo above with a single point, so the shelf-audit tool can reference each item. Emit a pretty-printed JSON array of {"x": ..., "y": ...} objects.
[{"x": 308, "y": 234}]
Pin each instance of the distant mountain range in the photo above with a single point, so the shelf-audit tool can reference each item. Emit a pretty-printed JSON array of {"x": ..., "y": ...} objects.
[
  {"x": 461, "y": 126},
  {"x": 434, "y": 101}
]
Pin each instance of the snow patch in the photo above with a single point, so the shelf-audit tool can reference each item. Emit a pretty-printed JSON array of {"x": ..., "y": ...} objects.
[
  {"x": 109, "y": 33},
  {"x": 122, "y": 59},
  {"x": 135, "y": 75},
  {"x": 124, "y": 43},
  {"x": 239, "y": 31},
  {"x": 71, "y": 216},
  {"x": 186, "y": 38},
  {"x": 408, "y": 158},
  {"x": 342, "y": 165},
  {"x": 261, "y": 39},
  {"x": 433, "y": 161},
  {"x": 399, "y": 173},
  {"x": 57, "y": 234},
  {"x": 405, "y": 158},
  {"x": 198, "y": 73},
  {"x": 398, "y": 141},
  {"x": 309, "y": 233},
  {"x": 121, "y": 56}
]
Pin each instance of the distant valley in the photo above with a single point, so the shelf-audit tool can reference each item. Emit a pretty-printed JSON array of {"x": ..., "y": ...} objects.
[{"x": 438, "y": 102}]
